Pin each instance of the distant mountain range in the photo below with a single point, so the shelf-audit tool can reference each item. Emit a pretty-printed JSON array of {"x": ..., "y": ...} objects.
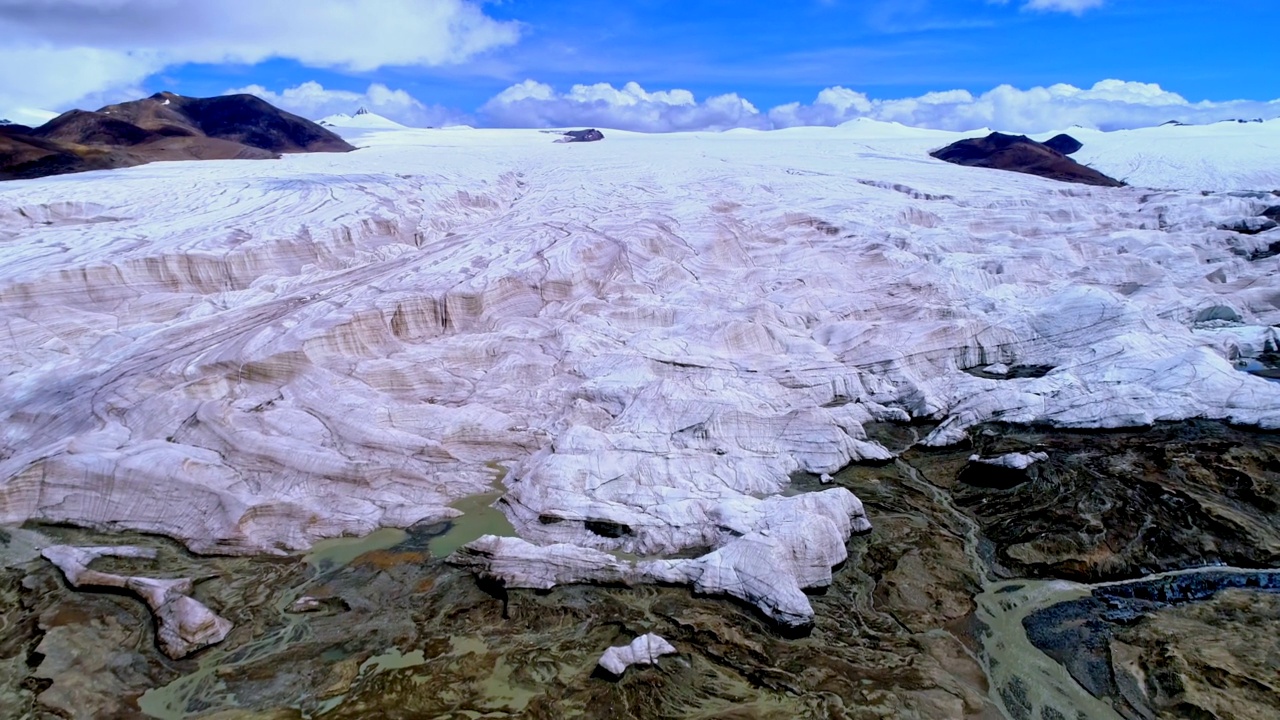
[{"x": 164, "y": 126}]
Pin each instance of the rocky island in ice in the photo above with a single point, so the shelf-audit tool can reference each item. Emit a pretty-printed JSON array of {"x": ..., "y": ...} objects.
[{"x": 655, "y": 333}]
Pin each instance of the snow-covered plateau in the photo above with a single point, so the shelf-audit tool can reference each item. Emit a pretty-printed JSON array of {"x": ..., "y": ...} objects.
[{"x": 652, "y": 333}]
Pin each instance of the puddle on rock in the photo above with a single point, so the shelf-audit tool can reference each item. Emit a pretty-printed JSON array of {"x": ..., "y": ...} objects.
[{"x": 1265, "y": 367}]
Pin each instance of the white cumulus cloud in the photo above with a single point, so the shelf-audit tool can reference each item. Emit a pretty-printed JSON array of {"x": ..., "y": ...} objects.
[
  {"x": 313, "y": 100},
  {"x": 631, "y": 107},
  {"x": 56, "y": 51},
  {"x": 1107, "y": 105}
]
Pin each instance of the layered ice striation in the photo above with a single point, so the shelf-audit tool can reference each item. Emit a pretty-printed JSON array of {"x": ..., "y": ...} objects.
[{"x": 655, "y": 333}]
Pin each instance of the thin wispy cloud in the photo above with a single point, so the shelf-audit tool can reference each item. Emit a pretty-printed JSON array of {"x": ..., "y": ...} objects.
[{"x": 1075, "y": 7}]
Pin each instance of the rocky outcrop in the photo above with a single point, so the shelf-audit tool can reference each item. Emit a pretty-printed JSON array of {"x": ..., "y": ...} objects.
[
  {"x": 1194, "y": 645},
  {"x": 1018, "y": 153},
  {"x": 183, "y": 624},
  {"x": 241, "y": 119},
  {"x": 1123, "y": 504},
  {"x": 575, "y": 136},
  {"x": 644, "y": 650},
  {"x": 164, "y": 126}
]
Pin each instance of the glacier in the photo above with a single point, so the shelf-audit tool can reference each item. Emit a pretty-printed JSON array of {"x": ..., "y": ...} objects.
[{"x": 653, "y": 333}]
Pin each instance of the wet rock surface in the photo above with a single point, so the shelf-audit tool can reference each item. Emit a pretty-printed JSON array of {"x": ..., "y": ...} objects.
[
  {"x": 1206, "y": 648},
  {"x": 390, "y": 630},
  {"x": 1113, "y": 506}
]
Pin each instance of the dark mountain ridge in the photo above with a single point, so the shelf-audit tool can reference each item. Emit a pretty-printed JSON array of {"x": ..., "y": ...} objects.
[
  {"x": 162, "y": 127},
  {"x": 1018, "y": 153}
]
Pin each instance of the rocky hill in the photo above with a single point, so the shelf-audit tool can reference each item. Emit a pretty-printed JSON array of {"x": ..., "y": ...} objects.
[
  {"x": 1018, "y": 153},
  {"x": 164, "y": 126}
]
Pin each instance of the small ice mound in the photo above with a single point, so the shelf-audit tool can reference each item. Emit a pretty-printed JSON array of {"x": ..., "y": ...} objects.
[
  {"x": 1215, "y": 314},
  {"x": 644, "y": 650},
  {"x": 1001, "y": 371},
  {"x": 1000, "y": 472},
  {"x": 1013, "y": 461}
]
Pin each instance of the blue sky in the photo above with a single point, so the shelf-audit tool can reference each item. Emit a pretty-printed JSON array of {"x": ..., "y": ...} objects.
[{"x": 768, "y": 54}]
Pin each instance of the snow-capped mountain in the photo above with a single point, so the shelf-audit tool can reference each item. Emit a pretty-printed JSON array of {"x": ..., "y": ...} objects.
[{"x": 363, "y": 119}]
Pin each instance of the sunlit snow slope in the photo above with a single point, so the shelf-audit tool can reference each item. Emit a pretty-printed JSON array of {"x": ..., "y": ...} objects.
[{"x": 654, "y": 331}]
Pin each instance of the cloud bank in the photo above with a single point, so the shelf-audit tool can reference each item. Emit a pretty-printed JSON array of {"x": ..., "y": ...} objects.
[
  {"x": 534, "y": 104},
  {"x": 54, "y": 52},
  {"x": 1108, "y": 105},
  {"x": 313, "y": 100}
]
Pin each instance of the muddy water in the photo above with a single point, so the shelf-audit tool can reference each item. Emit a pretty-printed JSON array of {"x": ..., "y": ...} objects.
[
  {"x": 1023, "y": 680},
  {"x": 204, "y": 687},
  {"x": 338, "y": 552},
  {"x": 480, "y": 516}
]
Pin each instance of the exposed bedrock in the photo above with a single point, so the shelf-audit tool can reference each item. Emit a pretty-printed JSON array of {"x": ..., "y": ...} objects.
[
  {"x": 1197, "y": 645},
  {"x": 1120, "y": 505}
]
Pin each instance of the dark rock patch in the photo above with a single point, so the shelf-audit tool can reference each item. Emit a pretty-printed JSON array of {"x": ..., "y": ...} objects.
[
  {"x": 1018, "y": 153},
  {"x": 1064, "y": 144},
  {"x": 987, "y": 475},
  {"x": 1120, "y": 505},
  {"x": 588, "y": 135},
  {"x": 1265, "y": 253},
  {"x": 1016, "y": 372},
  {"x": 1251, "y": 226},
  {"x": 606, "y": 528},
  {"x": 1162, "y": 626},
  {"x": 24, "y": 156}
]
